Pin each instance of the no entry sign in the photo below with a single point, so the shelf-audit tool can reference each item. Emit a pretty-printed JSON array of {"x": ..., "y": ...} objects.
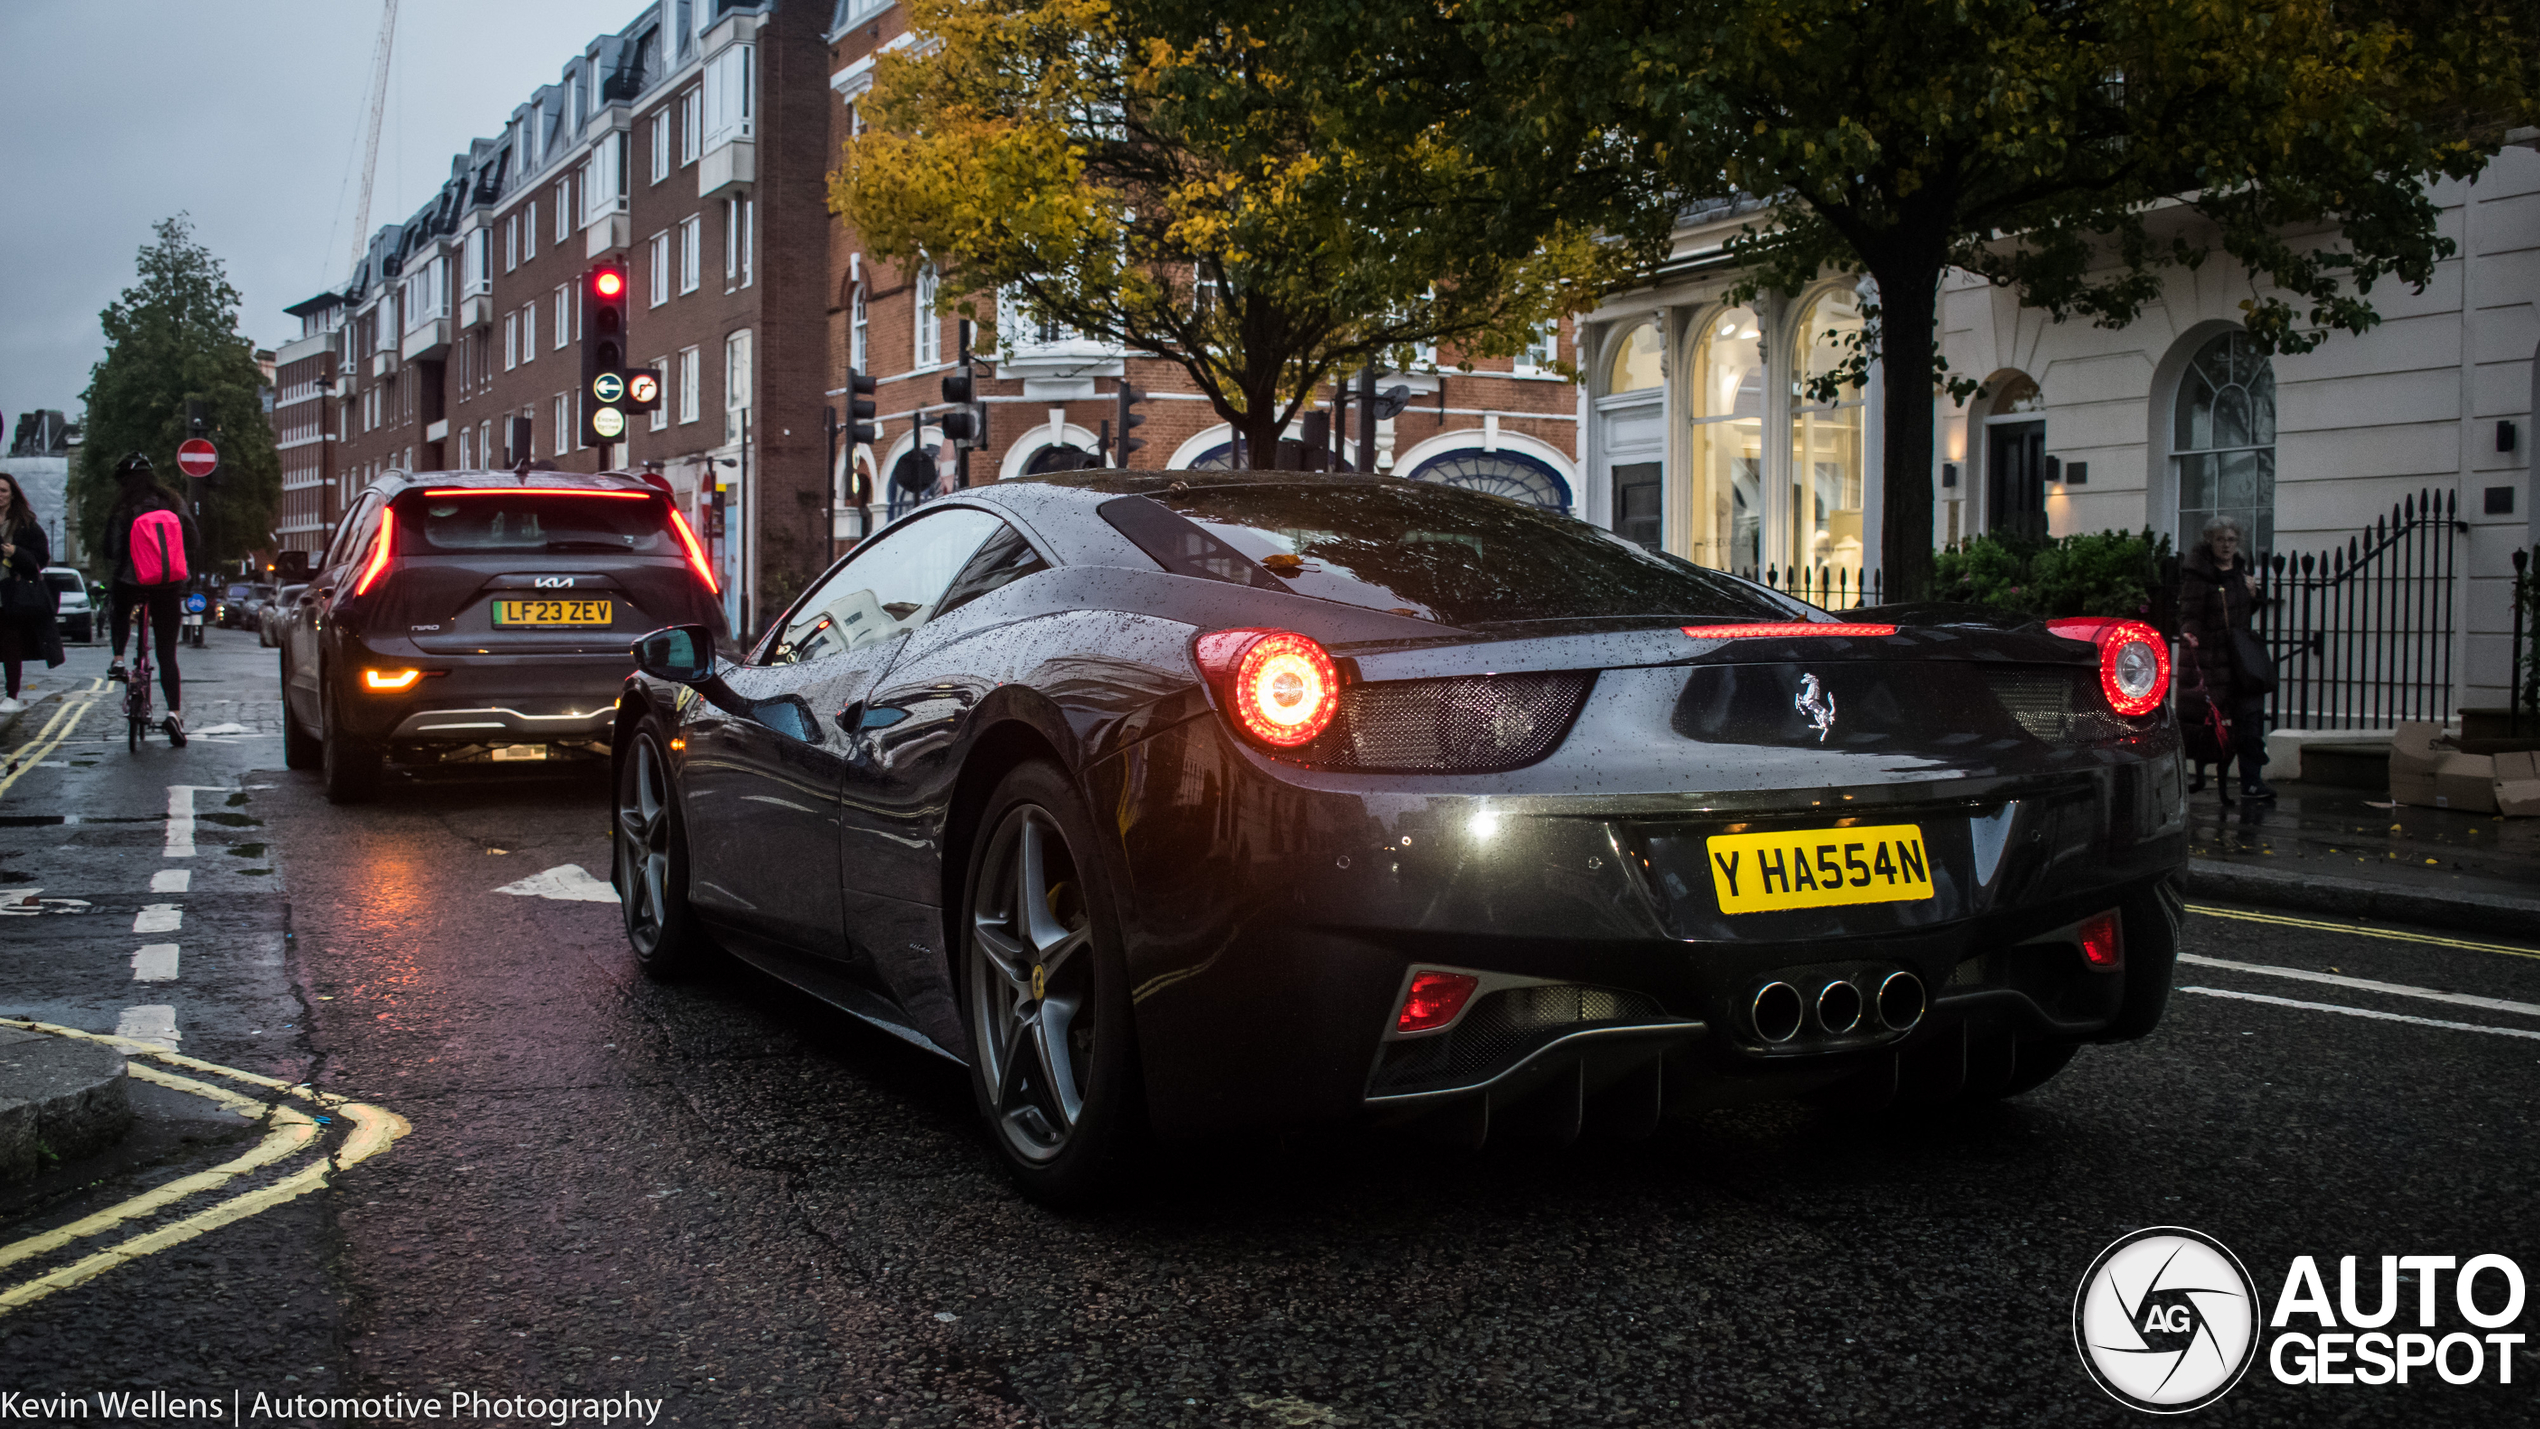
[{"x": 198, "y": 457}]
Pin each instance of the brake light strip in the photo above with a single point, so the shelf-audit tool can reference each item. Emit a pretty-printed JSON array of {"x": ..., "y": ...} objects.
[{"x": 1795, "y": 627}]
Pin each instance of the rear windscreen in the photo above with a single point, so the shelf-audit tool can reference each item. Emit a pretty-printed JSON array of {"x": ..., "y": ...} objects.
[
  {"x": 632, "y": 524},
  {"x": 1457, "y": 557},
  {"x": 62, "y": 580}
]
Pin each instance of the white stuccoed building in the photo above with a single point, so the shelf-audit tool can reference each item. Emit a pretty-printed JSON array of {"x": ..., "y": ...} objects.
[{"x": 1698, "y": 435}]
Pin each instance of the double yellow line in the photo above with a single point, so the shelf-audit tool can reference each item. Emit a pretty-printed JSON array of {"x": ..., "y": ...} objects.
[
  {"x": 2388, "y": 935},
  {"x": 51, "y": 737},
  {"x": 290, "y": 1131}
]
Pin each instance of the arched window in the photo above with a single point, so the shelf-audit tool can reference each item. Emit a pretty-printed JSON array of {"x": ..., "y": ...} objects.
[
  {"x": 1825, "y": 442},
  {"x": 1728, "y": 443},
  {"x": 2224, "y": 441},
  {"x": 1635, "y": 367},
  {"x": 1500, "y": 473}
]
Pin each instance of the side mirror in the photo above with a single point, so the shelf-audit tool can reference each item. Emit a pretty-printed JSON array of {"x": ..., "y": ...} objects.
[{"x": 683, "y": 654}]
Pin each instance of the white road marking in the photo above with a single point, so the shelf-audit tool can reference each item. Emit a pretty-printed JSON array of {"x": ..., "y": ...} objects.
[
  {"x": 155, "y": 1023},
  {"x": 172, "y": 880},
  {"x": 2365, "y": 1012},
  {"x": 2491, "y": 1004},
  {"x": 233, "y": 727},
  {"x": 565, "y": 881},
  {"x": 24, "y": 904},
  {"x": 155, "y": 963},
  {"x": 158, "y": 918},
  {"x": 180, "y": 821}
]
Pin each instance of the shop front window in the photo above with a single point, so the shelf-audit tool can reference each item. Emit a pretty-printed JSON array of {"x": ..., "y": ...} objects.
[
  {"x": 1727, "y": 500},
  {"x": 1826, "y": 467},
  {"x": 1635, "y": 361}
]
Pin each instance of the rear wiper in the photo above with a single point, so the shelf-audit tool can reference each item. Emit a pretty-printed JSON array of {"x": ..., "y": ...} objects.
[{"x": 585, "y": 546}]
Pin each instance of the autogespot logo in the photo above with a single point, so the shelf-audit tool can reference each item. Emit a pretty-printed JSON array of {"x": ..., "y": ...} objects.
[{"x": 2166, "y": 1320}]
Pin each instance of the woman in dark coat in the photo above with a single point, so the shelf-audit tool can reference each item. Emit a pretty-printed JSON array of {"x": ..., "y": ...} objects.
[
  {"x": 26, "y": 602},
  {"x": 2217, "y": 594}
]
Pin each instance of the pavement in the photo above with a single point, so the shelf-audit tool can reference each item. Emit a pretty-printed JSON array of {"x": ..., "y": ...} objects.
[
  {"x": 2324, "y": 848},
  {"x": 746, "y": 1209}
]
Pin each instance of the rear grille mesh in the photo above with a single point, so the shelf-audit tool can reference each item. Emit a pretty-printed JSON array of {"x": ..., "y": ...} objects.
[
  {"x": 1502, "y": 1028},
  {"x": 1475, "y": 725},
  {"x": 2052, "y": 705}
]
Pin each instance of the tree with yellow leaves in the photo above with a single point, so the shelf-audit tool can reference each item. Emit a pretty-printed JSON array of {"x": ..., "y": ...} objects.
[{"x": 1183, "y": 198}]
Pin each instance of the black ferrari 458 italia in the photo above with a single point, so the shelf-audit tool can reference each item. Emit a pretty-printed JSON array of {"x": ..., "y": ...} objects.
[{"x": 1178, "y": 803}]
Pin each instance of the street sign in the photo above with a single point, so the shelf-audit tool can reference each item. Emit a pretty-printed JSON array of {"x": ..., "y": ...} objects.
[
  {"x": 643, "y": 389},
  {"x": 608, "y": 387},
  {"x": 609, "y": 422},
  {"x": 197, "y": 457}
]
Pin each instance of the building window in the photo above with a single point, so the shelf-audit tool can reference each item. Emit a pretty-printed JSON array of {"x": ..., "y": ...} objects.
[
  {"x": 930, "y": 324},
  {"x": 688, "y": 383},
  {"x": 529, "y": 333},
  {"x": 511, "y": 243},
  {"x": 529, "y": 232},
  {"x": 736, "y": 385},
  {"x": 691, "y": 238},
  {"x": 1725, "y": 508},
  {"x": 1501, "y": 473},
  {"x": 657, "y": 271},
  {"x": 485, "y": 441},
  {"x": 2223, "y": 444},
  {"x": 564, "y": 209},
  {"x": 738, "y": 214},
  {"x": 749, "y": 237},
  {"x": 1541, "y": 354},
  {"x": 1826, "y": 466},
  {"x": 661, "y": 410},
  {"x": 467, "y": 449},
  {"x": 859, "y": 332},
  {"x": 564, "y": 430},
  {"x": 511, "y": 341},
  {"x": 661, "y": 146},
  {"x": 1635, "y": 365},
  {"x": 728, "y": 82},
  {"x": 691, "y": 126},
  {"x": 480, "y": 260},
  {"x": 564, "y": 314}
]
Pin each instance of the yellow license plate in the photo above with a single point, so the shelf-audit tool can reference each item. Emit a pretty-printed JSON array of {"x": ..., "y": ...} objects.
[
  {"x": 551, "y": 612},
  {"x": 1819, "y": 868}
]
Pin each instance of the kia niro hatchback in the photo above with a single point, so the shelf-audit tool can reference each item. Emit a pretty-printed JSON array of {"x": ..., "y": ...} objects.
[{"x": 480, "y": 616}]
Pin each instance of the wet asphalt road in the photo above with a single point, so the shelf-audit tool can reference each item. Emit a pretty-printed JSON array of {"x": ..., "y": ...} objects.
[{"x": 721, "y": 1195}]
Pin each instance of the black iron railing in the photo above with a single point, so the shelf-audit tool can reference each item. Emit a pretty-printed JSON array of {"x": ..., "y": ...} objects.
[
  {"x": 2523, "y": 690},
  {"x": 1829, "y": 587},
  {"x": 2362, "y": 637}
]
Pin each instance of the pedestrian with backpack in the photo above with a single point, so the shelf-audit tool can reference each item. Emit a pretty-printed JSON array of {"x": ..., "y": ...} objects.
[{"x": 147, "y": 539}]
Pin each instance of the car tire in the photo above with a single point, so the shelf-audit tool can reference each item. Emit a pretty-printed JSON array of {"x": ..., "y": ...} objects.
[
  {"x": 2154, "y": 921},
  {"x": 300, "y": 749},
  {"x": 648, "y": 848},
  {"x": 1045, "y": 999},
  {"x": 348, "y": 766}
]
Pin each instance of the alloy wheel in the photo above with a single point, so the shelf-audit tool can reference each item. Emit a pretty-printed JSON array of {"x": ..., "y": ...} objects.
[
  {"x": 1030, "y": 984},
  {"x": 643, "y": 845}
]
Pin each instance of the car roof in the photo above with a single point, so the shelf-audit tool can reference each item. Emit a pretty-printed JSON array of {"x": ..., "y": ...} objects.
[{"x": 393, "y": 483}]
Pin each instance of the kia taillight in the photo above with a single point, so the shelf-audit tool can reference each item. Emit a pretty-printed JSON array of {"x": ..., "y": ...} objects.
[
  {"x": 379, "y": 552},
  {"x": 1434, "y": 1000},
  {"x": 1279, "y": 687},
  {"x": 696, "y": 553},
  {"x": 2134, "y": 661}
]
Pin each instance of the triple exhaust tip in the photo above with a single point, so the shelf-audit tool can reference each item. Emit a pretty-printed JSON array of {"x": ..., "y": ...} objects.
[{"x": 1780, "y": 1010}]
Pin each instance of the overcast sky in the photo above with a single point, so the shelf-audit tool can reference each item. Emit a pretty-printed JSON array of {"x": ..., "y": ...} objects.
[{"x": 248, "y": 114}]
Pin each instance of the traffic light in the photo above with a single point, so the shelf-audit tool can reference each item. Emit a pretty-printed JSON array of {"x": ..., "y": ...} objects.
[
  {"x": 1129, "y": 416},
  {"x": 966, "y": 426},
  {"x": 861, "y": 430},
  {"x": 604, "y": 395}
]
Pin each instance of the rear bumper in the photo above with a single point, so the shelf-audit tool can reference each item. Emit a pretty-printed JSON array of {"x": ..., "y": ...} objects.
[
  {"x": 1271, "y": 926},
  {"x": 463, "y": 700}
]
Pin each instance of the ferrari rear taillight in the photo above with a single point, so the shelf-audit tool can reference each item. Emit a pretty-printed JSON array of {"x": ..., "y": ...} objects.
[
  {"x": 379, "y": 553},
  {"x": 2134, "y": 661},
  {"x": 1434, "y": 1000},
  {"x": 1280, "y": 687},
  {"x": 2102, "y": 942},
  {"x": 696, "y": 553}
]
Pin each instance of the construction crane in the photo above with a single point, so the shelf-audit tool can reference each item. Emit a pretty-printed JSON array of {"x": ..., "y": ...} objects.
[{"x": 370, "y": 146}]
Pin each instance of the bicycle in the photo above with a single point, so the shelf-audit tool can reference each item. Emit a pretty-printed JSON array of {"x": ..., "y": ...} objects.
[{"x": 136, "y": 680}]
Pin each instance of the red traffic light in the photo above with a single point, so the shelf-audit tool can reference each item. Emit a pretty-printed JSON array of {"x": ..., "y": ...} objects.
[{"x": 608, "y": 282}]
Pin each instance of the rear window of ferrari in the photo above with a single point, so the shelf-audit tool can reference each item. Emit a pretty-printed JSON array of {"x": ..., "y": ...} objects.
[
  {"x": 1415, "y": 548},
  {"x": 497, "y": 520}
]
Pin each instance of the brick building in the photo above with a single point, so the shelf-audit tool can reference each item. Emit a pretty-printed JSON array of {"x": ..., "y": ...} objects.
[
  {"x": 689, "y": 145},
  {"x": 693, "y": 145},
  {"x": 1508, "y": 425}
]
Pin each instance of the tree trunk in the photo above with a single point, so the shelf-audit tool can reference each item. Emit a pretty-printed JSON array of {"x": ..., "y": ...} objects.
[{"x": 1908, "y": 312}]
